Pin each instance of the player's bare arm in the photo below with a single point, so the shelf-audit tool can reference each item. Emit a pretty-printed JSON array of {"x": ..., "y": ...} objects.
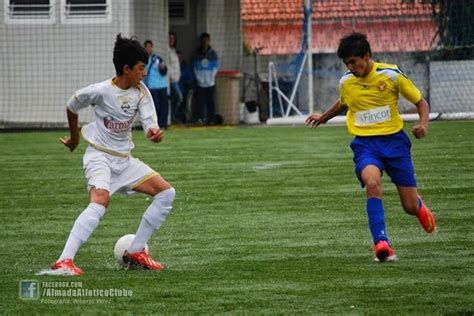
[
  {"x": 315, "y": 119},
  {"x": 72, "y": 141},
  {"x": 420, "y": 129},
  {"x": 156, "y": 135}
]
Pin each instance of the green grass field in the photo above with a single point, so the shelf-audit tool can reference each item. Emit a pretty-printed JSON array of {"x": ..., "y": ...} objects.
[{"x": 266, "y": 221}]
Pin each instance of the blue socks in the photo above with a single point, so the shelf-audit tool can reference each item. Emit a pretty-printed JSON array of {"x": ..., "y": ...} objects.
[{"x": 376, "y": 219}]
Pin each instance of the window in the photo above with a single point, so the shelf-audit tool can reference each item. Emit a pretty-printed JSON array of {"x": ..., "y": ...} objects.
[
  {"x": 86, "y": 11},
  {"x": 178, "y": 12},
  {"x": 29, "y": 11}
]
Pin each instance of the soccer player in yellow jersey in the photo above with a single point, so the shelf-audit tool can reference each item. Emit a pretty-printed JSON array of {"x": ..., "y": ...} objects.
[{"x": 369, "y": 92}]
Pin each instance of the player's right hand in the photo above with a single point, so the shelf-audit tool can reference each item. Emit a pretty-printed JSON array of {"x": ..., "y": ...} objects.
[
  {"x": 155, "y": 135},
  {"x": 314, "y": 120},
  {"x": 69, "y": 142}
]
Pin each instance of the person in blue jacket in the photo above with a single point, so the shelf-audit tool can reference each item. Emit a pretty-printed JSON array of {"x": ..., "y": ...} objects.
[
  {"x": 157, "y": 82},
  {"x": 205, "y": 66}
]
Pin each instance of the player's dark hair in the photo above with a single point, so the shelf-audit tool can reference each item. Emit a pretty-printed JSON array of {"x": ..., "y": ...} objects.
[
  {"x": 128, "y": 51},
  {"x": 354, "y": 44},
  {"x": 148, "y": 42}
]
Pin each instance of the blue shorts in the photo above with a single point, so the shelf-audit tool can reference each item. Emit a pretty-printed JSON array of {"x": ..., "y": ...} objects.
[{"x": 389, "y": 152}]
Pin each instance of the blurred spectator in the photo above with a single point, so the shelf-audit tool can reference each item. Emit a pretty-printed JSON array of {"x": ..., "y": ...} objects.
[
  {"x": 186, "y": 85},
  {"x": 205, "y": 67},
  {"x": 157, "y": 83},
  {"x": 174, "y": 74}
]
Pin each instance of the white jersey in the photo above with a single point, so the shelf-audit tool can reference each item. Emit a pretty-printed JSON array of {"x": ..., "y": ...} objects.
[
  {"x": 115, "y": 112},
  {"x": 174, "y": 67}
]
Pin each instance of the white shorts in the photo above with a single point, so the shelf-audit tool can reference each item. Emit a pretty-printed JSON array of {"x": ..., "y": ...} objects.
[{"x": 113, "y": 173}]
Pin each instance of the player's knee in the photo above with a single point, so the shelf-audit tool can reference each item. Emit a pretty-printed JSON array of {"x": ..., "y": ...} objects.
[
  {"x": 373, "y": 187},
  {"x": 88, "y": 221},
  {"x": 166, "y": 197},
  {"x": 103, "y": 200},
  {"x": 160, "y": 207},
  {"x": 100, "y": 197},
  {"x": 164, "y": 200}
]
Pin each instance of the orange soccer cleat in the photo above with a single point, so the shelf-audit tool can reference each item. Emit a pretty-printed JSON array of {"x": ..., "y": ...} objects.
[
  {"x": 68, "y": 267},
  {"x": 142, "y": 260},
  {"x": 426, "y": 219},
  {"x": 384, "y": 252}
]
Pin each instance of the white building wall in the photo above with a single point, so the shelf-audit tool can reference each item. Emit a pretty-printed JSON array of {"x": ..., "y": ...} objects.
[{"x": 43, "y": 64}]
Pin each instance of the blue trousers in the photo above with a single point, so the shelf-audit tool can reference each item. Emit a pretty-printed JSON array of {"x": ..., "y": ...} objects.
[
  {"x": 161, "y": 100},
  {"x": 176, "y": 98}
]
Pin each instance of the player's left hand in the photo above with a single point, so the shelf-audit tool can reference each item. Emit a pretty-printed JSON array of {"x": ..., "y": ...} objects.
[
  {"x": 155, "y": 135},
  {"x": 419, "y": 130}
]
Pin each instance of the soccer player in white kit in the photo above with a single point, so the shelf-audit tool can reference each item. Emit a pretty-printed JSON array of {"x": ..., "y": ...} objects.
[{"x": 108, "y": 165}]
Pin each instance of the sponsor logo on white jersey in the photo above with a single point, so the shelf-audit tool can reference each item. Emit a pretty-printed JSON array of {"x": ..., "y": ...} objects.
[{"x": 115, "y": 126}]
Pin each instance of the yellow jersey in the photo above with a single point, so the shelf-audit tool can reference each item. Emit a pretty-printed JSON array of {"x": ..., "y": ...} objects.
[{"x": 372, "y": 101}]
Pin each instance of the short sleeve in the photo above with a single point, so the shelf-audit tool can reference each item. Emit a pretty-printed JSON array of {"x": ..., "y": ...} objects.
[
  {"x": 408, "y": 89},
  {"x": 83, "y": 98},
  {"x": 342, "y": 100}
]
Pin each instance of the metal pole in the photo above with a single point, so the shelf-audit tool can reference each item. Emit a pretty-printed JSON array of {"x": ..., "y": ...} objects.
[
  {"x": 270, "y": 88},
  {"x": 309, "y": 32}
]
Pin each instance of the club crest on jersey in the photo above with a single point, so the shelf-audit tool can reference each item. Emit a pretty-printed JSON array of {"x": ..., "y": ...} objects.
[
  {"x": 125, "y": 103},
  {"x": 382, "y": 85}
]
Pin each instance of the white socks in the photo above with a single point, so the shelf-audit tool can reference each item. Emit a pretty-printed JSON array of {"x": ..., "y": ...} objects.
[
  {"x": 154, "y": 216},
  {"x": 83, "y": 227},
  {"x": 88, "y": 220}
]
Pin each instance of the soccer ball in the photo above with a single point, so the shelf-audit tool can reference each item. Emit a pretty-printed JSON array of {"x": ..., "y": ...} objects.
[{"x": 121, "y": 245}]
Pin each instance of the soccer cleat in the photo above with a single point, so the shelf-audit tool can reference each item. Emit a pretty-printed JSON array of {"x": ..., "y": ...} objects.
[
  {"x": 426, "y": 219},
  {"x": 383, "y": 252},
  {"x": 68, "y": 267},
  {"x": 142, "y": 260}
]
